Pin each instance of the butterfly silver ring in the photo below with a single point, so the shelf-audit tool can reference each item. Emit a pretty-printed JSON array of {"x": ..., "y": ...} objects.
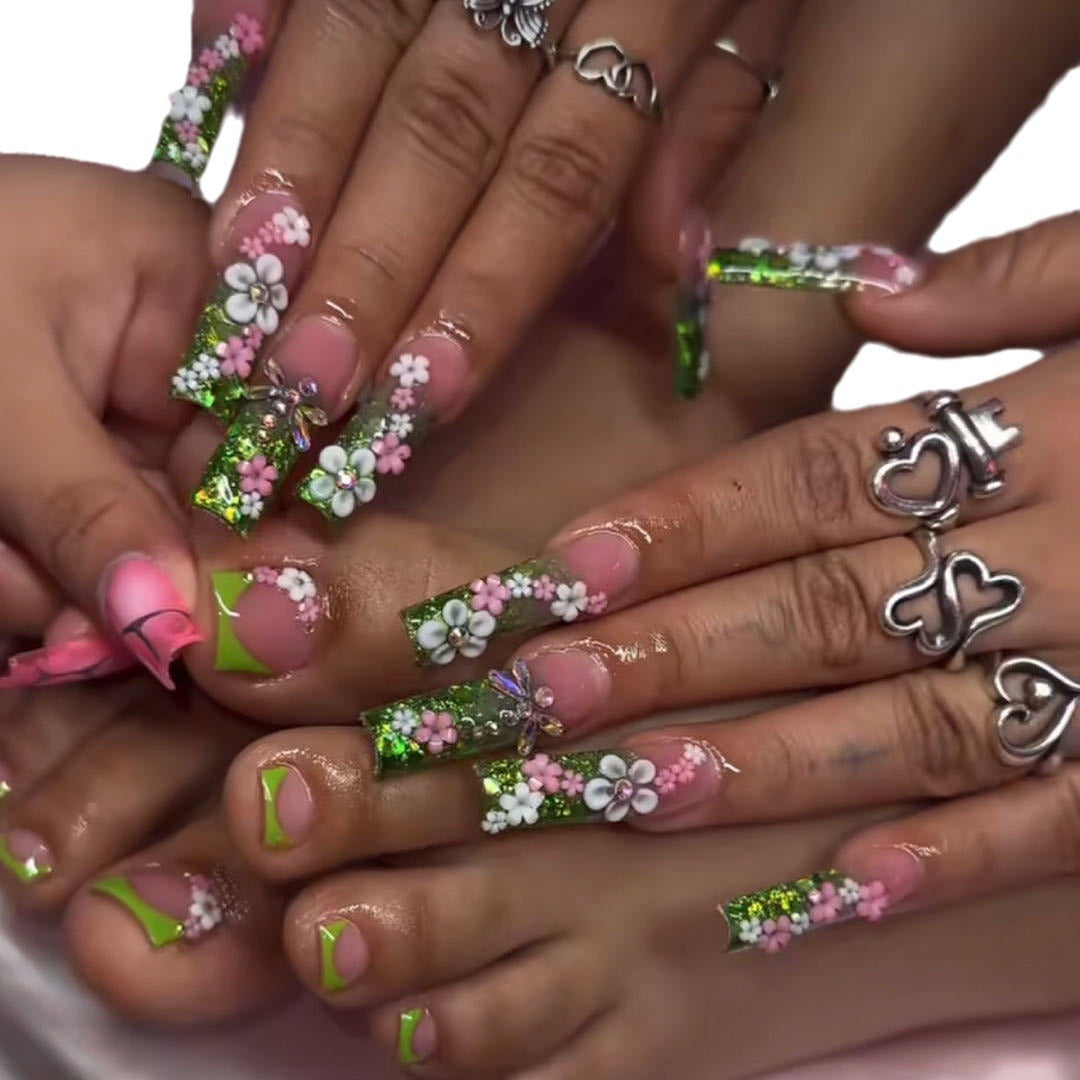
[{"x": 520, "y": 22}]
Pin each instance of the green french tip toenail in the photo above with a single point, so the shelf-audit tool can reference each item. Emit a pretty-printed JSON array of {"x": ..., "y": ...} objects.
[
  {"x": 270, "y": 781},
  {"x": 329, "y": 933},
  {"x": 5, "y": 790},
  {"x": 26, "y": 870},
  {"x": 407, "y": 1026},
  {"x": 160, "y": 929},
  {"x": 231, "y": 655}
]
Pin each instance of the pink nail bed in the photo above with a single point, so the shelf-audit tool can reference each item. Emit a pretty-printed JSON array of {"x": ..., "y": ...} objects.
[
  {"x": 606, "y": 560},
  {"x": 449, "y": 374},
  {"x": 579, "y": 681},
  {"x": 895, "y": 869},
  {"x": 323, "y": 350},
  {"x": 688, "y": 774},
  {"x": 145, "y": 610}
]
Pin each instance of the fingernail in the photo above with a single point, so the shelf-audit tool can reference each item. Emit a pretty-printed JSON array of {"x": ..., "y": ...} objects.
[
  {"x": 773, "y": 918},
  {"x": 343, "y": 954},
  {"x": 266, "y": 253},
  {"x": 196, "y": 111},
  {"x": 577, "y": 580},
  {"x": 169, "y": 905},
  {"x": 689, "y": 773},
  {"x": 26, "y": 855},
  {"x": 288, "y": 809},
  {"x": 323, "y": 350},
  {"x": 898, "y": 871},
  {"x": 147, "y": 613},
  {"x": 508, "y": 708},
  {"x": 264, "y": 441},
  {"x": 77, "y": 660},
  {"x": 5, "y": 781},
  {"x": 590, "y": 787},
  {"x": 578, "y": 679},
  {"x": 692, "y": 362},
  {"x": 814, "y": 267},
  {"x": 416, "y": 1037},
  {"x": 428, "y": 377},
  {"x": 266, "y": 619}
]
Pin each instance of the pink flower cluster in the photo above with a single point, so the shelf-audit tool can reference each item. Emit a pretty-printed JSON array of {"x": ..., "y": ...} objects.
[
  {"x": 308, "y": 613},
  {"x": 597, "y": 604},
  {"x": 436, "y": 731},
  {"x": 265, "y": 575},
  {"x": 682, "y": 771},
  {"x": 257, "y": 475},
  {"x": 248, "y": 35},
  {"x": 268, "y": 234},
  {"x": 873, "y": 901},
  {"x": 549, "y": 776}
]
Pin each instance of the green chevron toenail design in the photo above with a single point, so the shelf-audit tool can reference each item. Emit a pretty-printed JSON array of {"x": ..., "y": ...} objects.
[
  {"x": 407, "y": 1026},
  {"x": 329, "y": 933},
  {"x": 26, "y": 870},
  {"x": 270, "y": 781},
  {"x": 160, "y": 929},
  {"x": 231, "y": 655}
]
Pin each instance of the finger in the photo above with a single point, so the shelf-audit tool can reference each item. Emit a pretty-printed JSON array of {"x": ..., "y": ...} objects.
[
  {"x": 229, "y": 36},
  {"x": 29, "y": 599},
  {"x": 559, "y": 186},
  {"x": 789, "y": 492},
  {"x": 1025, "y": 833},
  {"x": 1008, "y": 291}
]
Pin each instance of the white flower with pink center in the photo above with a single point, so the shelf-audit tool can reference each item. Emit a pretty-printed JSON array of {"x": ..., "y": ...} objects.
[
  {"x": 258, "y": 292},
  {"x": 347, "y": 483},
  {"x": 456, "y": 630},
  {"x": 571, "y": 601},
  {"x": 410, "y": 370},
  {"x": 622, "y": 787},
  {"x": 204, "y": 911},
  {"x": 298, "y": 584}
]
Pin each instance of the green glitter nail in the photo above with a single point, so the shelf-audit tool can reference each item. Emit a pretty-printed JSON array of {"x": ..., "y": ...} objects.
[{"x": 794, "y": 266}]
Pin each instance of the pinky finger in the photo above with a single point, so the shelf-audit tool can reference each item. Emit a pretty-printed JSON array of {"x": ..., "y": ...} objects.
[{"x": 1015, "y": 836}]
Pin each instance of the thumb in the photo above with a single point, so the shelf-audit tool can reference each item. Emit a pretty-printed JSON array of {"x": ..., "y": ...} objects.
[{"x": 1017, "y": 290}]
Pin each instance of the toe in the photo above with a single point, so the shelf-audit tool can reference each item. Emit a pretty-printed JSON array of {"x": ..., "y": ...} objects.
[
  {"x": 508, "y": 1016},
  {"x": 307, "y": 800},
  {"x": 180, "y": 934},
  {"x": 366, "y": 936}
]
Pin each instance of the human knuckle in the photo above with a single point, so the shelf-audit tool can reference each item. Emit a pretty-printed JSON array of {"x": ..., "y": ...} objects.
[
  {"x": 946, "y": 753},
  {"x": 71, "y": 516},
  {"x": 564, "y": 173},
  {"x": 1066, "y": 820},
  {"x": 828, "y": 610},
  {"x": 393, "y": 21},
  {"x": 450, "y": 117},
  {"x": 307, "y": 139},
  {"x": 823, "y": 484}
]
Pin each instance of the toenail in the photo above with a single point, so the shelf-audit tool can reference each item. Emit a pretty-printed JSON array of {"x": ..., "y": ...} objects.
[
  {"x": 288, "y": 808},
  {"x": 416, "y": 1036},
  {"x": 5, "y": 781},
  {"x": 26, "y": 855},
  {"x": 169, "y": 905},
  {"x": 344, "y": 954},
  {"x": 266, "y": 619}
]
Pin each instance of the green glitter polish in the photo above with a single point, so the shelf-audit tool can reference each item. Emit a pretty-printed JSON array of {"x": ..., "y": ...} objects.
[
  {"x": 27, "y": 869},
  {"x": 526, "y": 596},
  {"x": 692, "y": 360},
  {"x": 770, "y": 919},
  {"x": 589, "y": 787},
  {"x": 409, "y": 1052},
  {"x": 462, "y": 721},
  {"x": 197, "y": 110},
  {"x": 263, "y": 443}
]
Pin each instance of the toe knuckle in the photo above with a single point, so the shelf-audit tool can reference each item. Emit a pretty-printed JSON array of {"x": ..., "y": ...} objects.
[
  {"x": 393, "y": 21},
  {"x": 822, "y": 485},
  {"x": 450, "y": 120},
  {"x": 827, "y": 610},
  {"x": 72, "y": 516},
  {"x": 1065, "y": 824},
  {"x": 564, "y": 174},
  {"x": 945, "y": 745}
]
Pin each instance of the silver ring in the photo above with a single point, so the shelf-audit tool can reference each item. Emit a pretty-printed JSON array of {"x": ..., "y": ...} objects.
[
  {"x": 605, "y": 63},
  {"x": 770, "y": 83},
  {"x": 1033, "y": 697},
  {"x": 969, "y": 445},
  {"x": 956, "y": 628},
  {"x": 521, "y": 22}
]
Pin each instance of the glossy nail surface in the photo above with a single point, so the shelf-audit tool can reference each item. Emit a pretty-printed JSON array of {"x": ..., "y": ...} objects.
[
  {"x": 692, "y": 361},
  {"x": 169, "y": 905},
  {"x": 772, "y": 918},
  {"x": 288, "y": 809},
  {"x": 5, "y": 781},
  {"x": 571, "y": 584},
  {"x": 343, "y": 954},
  {"x": 145, "y": 610},
  {"x": 378, "y": 442},
  {"x": 266, "y": 619},
  {"x": 197, "y": 109},
  {"x": 594, "y": 786},
  {"x": 24, "y": 854},
  {"x": 416, "y": 1037},
  {"x": 78, "y": 660}
]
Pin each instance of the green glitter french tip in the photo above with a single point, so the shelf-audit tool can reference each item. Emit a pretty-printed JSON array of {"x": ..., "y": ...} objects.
[
  {"x": 170, "y": 906},
  {"x": 590, "y": 787},
  {"x": 263, "y": 443},
  {"x": 197, "y": 109},
  {"x": 26, "y": 856},
  {"x": 772, "y": 918},
  {"x": 503, "y": 710}
]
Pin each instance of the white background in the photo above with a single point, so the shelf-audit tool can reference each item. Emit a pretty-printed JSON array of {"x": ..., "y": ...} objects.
[{"x": 87, "y": 79}]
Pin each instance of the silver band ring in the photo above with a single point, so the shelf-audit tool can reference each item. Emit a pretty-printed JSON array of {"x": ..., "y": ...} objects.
[
  {"x": 521, "y": 22},
  {"x": 605, "y": 63},
  {"x": 940, "y": 582},
  {"x": 770, "y": 83},
  {"x": 1033, "y": 697},
  {"x": 969, "y": 445}
]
